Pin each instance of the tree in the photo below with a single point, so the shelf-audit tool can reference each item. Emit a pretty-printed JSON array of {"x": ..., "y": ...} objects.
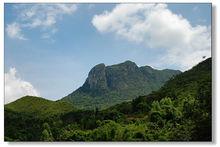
[{"x": 46, "y": 133}]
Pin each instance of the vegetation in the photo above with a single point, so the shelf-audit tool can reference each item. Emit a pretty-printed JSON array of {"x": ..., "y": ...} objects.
[
  {"x": 179, "y": 111},
  {"x": 39, "y": 107},
  {"x": 110, "y": 85}
]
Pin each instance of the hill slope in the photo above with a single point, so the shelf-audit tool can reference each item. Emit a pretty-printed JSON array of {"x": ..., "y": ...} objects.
[
  {"x": 184, "y": 104},
  {"x": 110, "y": 85},
  {"x": 38, "y": 106}
]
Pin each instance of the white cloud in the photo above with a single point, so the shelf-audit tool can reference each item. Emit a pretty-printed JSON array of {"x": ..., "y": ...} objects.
[
  {"x": 44, "y": 15},
  {"x": 41, "y": 16},
  {"x": 158, "y": 28},
  {"x": 14, "y": 31},
  {"x": 15, "y": 87}
]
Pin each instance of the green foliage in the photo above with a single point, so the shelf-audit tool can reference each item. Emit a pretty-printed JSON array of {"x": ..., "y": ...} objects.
[
  {"x": 179, "y": 111},
  {"x": 39, "y": 107},
  {"x": 46, "y": 135},
  {"x": 21, "y": 127}
]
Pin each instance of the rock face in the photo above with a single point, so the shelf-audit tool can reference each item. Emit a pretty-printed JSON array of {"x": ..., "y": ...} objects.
[
  {"x": 97, "y": 78},
  {"x": 109, "y": 85},
  {"x": 122, "y": 76}
]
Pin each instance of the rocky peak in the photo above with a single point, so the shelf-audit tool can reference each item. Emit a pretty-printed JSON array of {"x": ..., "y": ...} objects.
[
  {"x": 128, "y": 64},
  {"x": 97, "y": 77}
]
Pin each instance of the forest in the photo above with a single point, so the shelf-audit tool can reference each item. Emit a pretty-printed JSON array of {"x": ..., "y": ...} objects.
[{"x": 181, "y": 110}]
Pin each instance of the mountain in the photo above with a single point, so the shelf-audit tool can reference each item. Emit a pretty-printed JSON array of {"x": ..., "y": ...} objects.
[
  {"x": 110, "y": 85},
  {"x": 181, "y": 110},
  {"x": 38, "y": 106},
  {"x": 196, "y": 82},
  {"x": 184, "y": 103}
]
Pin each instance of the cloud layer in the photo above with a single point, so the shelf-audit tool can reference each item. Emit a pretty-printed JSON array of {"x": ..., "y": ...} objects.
[
  {"x": 14, "y": 31},
  {"x": 41, "y": 16},
  {"x": 15, "y": 87},
  {"x": 157, "y": 27}
]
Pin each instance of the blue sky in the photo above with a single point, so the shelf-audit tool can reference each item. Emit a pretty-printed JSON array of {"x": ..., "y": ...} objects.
[{"x": 55, "y": 57}]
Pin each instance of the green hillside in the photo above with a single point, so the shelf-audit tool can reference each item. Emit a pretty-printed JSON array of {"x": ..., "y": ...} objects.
[
  {"x": 178, "y": 111},
  {"x": 38, "y": 106},
  {"x": 184, "y": 104}
]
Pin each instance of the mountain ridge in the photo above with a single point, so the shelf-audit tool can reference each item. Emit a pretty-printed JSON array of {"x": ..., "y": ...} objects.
[{"x": 112, "y": 84}]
